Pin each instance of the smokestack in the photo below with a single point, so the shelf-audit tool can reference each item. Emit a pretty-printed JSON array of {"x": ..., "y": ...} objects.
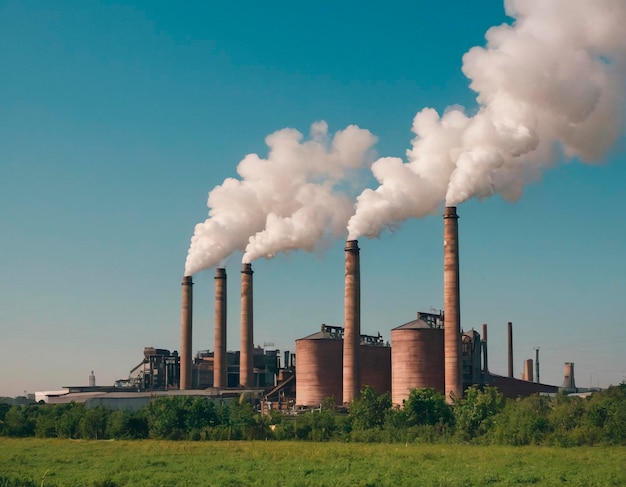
[
  {"x": 246, "y": 377},
  {"x": 568, "y": 380},
  {"x": 185, "y": 336},
  {"x": 537, "y": 364},
  {"x": 452, "y": 305},
  {"x": 485, "y": 363},
  {"x": 510, "y": 327},
  {"x": 352, "y": 323},
  {"x": 528, "y": 370},
  {"x": 219, "y": 354}
]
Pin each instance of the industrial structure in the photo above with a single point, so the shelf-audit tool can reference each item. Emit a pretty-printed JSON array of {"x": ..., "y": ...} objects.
[{"x": 337, "y": 361}]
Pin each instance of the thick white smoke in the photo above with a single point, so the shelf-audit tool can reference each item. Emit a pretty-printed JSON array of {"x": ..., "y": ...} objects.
[
  {"x": 550, "y": 84},
  {"x": 285, "y": 202}
]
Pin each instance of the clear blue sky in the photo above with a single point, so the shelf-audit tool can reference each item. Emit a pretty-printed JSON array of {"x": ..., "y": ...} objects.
[{"x": 117, "y": 119}]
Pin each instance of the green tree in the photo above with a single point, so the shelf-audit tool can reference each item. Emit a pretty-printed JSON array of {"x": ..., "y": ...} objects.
[
  {"x": 369, "y": 410},
  {"x": 426, "y": 406},
  {"x": 474, "y": 413}
]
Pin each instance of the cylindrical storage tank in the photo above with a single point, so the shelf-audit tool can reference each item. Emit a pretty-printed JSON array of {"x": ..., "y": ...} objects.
[
  {"x": 417, "y": 359},
  {"x": 319, "y": 367},
  {"x": 375, "y": 363}
]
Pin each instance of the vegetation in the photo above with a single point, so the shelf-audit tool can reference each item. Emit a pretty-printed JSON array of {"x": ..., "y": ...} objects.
[
  {"x": 54, "y": 462},
  {"x": 482, "y": 417}
]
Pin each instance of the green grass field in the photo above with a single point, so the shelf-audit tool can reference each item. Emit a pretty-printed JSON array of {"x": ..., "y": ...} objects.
[{"x": 35, "y": 462}]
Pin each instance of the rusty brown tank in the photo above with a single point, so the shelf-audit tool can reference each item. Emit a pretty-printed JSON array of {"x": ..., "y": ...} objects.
[
  {"x": 219, "y": 336},
  {"x": 417, "y": 358},
  {"x": 185, "y": 333},
  {"x": 375, "y": 364},
  {"x": 352, "y": 322},
  {"x": 246, "y": 377},
  {"x": 319, "y": 367},
  {"x": 452, "y": 305}
]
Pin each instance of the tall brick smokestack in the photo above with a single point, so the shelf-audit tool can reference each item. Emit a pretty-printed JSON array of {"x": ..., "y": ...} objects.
[
  {"x": 246, "y": 376},
  {"x": 219, "y": 354},
  {"x": 185, "y": 335},
  {"x": 510, "y": 334},
  {"x": 452, "y": 306},
  {"x": 352, "y": 322}
]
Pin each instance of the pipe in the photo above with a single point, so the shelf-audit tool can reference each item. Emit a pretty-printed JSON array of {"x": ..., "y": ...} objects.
[
  {"x": 246, "y": 378},
  {"x": 452, "y": 306},
  {"x": 219, "y": 353},
  {"x": 186, "y": 326},
  {"x": 510, "y": 334},
  {"x": 352, "y": 323}
]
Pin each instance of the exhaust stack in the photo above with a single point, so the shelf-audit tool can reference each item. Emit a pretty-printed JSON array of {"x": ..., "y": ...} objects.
[
  {"x": 185, "y": 335},
  {"x": 510, "y": 333},
  {"x": 219, "y": 354},
  {"x": 246, "y": 376},
  {"x": 352, "y": 323},
  {"x": 528, "y": 370},
  {"x": 485, "y": 363},
  {"x": 452, "y": 306}
]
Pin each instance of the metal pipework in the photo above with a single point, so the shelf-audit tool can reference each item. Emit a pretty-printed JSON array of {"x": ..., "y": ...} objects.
[
  {"x": 219, "y": 354},
  {"x": 452, "y": 306},
  {"x": 185, "y": 335},
  {"x": 352, "y": 323},
  {"x": 246, "y": 375}
]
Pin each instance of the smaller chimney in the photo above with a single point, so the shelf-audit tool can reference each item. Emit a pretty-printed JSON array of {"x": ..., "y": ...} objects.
[
  {"x": 568, "y": 381},
  {"x": 528, "y": 370},
  {"x": 510, "y": 328},
  {"x": 485, "y": 363}
]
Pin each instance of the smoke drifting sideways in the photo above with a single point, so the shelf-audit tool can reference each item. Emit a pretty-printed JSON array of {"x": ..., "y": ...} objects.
[
  {"x": 295, "y": 199},
  {"x": 550, "y": 85}
]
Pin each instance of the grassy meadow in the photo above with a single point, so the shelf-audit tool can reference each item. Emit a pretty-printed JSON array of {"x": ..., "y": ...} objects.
[{"x": 54, "y": 462}]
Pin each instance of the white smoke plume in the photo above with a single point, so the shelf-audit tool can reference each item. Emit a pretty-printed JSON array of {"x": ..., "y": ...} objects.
[
  {"x": 288, "y": 201},
  {"x": 551, "y": 84}
]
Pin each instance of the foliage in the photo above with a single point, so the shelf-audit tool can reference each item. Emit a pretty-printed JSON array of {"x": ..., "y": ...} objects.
[
  {"x": 474, "y": 413},
  {"x": 54, "y": 462},
  {"x": 369, "y": 410},
  {"x": 483, "y": 416}
]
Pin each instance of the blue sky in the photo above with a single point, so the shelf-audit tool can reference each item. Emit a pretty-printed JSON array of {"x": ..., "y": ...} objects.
[{"x": 119, "y": 117}]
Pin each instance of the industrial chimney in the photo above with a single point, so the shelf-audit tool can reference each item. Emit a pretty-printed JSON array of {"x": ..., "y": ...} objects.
[
  {"x": 352, "y": 323},
  {"x": 452, "y": 306},
  {"x": 568, "y": 381},
  {"x": 485, "y": 363},
  {"x": 510, "y": 334},
  {"x": 219, "y": 354},
  {"x": 528, "y": 370},
  {"x": 246, "y": 375},
  {"x": 185, "y": 335}
]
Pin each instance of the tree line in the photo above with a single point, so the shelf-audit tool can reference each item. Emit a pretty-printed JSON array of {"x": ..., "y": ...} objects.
[{"x": 483, "y": 416}]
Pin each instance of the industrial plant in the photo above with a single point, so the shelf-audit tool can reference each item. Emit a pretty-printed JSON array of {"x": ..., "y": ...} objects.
[{"x": 334, "y": 363}]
